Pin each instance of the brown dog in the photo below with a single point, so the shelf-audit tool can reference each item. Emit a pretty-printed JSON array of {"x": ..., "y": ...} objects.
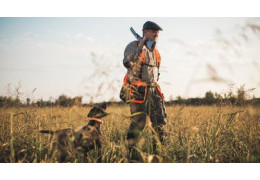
[{"x": 65, "y": 143}]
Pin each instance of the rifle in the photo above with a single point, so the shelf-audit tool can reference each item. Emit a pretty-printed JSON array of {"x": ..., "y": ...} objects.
[{"x": 149, "y": 44}]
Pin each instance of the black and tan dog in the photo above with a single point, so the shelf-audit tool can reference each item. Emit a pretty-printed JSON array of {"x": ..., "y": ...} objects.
[{"x": 65, "y": 143}]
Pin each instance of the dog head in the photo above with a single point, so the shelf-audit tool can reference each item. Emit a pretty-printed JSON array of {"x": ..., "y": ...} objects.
[{"x": 98, "y": 111}]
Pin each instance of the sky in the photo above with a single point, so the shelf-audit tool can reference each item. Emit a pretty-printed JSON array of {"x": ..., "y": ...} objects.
[{"x": 47, "y": 57}]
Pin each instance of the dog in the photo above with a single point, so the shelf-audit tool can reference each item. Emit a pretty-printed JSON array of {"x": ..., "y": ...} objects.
[{"x": 65, "y": 143}]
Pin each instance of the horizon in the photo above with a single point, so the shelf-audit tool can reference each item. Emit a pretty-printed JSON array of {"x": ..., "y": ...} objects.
[{"x": 230, "y": 91}]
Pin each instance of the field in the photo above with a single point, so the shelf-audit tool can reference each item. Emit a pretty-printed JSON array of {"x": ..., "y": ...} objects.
[{"x": 194, "y": 134}]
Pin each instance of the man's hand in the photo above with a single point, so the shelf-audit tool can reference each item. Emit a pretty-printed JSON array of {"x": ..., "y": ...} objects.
[{"x": 143, "y": 41}]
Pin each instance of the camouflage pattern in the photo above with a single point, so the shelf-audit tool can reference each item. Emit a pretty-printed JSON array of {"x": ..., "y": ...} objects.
[
  {"x": 153, "y": 106},
  {"x": 147, "y": 72}
]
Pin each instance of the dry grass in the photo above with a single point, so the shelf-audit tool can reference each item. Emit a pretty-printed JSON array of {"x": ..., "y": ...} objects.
[{"x": 194, "y": 134}]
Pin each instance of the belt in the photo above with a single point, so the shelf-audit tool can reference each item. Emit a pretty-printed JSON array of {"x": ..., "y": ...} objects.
[{"x": 141, "y": 83}]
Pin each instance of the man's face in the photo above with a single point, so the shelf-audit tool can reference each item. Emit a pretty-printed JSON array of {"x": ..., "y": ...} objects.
[{"x": 151, "y": 35}]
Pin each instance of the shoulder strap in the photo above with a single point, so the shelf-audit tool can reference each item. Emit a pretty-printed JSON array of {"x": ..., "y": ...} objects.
[{"x": 142, "y": 56}]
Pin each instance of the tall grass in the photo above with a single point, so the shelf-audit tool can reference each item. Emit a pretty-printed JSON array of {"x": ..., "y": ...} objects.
[
  {"x": 194, "y": 134},
  {"x": 12, "y": 159}
]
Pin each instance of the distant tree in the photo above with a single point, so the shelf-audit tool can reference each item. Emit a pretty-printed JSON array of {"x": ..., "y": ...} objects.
[
  {"x": 9, "y": 102},
  {"x": 49, "y": 103},
  {"x": 77, "y": 100},
  {"x": 194, "y": 101},
  {"x": 40, "y": 103},
  {"x": 241, "y": 95},
  {"x": 217, "y": 96},
  {"x": 180, "y": 100},
  {"x": 209, "y": 98},
  {"x": 2, "y": 101},
  {"x": 17, "y": 102},
  {"x": 28, "y": 101},
  {"x": 66, "y": 101},
  {"x": 63, "y": 101}
]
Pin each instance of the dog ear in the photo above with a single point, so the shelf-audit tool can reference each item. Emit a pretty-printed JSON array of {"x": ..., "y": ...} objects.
[
  {"x": 97, "y": 112},
  {"x": 102, "y": 106},
  {"x": 92, "y": 112}
]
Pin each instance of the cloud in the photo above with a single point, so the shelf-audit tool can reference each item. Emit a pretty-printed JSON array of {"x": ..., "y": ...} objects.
[
  {"x": 83, "y": 36},
  {"x": 79, "y": 36}
]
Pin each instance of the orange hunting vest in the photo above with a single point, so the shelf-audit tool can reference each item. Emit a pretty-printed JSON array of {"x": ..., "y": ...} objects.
[
  {"x": 139, "y": 82},
  {"x": 158, "y": 57}
]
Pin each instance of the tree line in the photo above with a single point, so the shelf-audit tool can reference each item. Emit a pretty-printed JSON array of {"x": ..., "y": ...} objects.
[
  {"x": 241, "y": 97},
  {"x": 62, "y": 101},
  {"x": 214, "y": 99}
]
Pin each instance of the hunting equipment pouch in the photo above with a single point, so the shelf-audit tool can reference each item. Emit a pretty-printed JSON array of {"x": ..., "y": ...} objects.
[
  {"x": 135, "y": 92},
  {"x": 124, "y": 93}
]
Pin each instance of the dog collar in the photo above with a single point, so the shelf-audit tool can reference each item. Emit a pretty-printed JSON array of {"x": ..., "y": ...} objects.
[{"x": 96, "y": 119}]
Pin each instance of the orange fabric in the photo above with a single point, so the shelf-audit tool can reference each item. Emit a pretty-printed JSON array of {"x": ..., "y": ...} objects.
[
  {"x": 96, "y": 119},
  {"x": 142, "y": 56},
  {"x": 139, "y": 83},
  {"x": 158, "y": 57},
  {"x": 125, "y": 79}
]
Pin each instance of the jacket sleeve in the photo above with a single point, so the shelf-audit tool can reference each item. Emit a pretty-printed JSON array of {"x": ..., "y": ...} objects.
[{"x": 131, "y": 54}]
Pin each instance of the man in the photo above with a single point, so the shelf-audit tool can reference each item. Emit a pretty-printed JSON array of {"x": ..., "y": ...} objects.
[{"x": 145, "y": 97}]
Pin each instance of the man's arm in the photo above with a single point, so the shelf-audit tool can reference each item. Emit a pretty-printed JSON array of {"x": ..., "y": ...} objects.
[{"x": 132, "y": 53}]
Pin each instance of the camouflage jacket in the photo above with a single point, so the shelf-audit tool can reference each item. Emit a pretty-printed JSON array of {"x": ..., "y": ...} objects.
[{"x": 146, "y": 72}]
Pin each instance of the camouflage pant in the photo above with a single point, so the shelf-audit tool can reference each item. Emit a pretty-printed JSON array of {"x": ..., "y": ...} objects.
[{"x": 155, "y": 109}]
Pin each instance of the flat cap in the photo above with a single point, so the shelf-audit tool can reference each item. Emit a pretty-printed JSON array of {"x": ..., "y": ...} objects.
[{"x": 151, "y": 25}]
